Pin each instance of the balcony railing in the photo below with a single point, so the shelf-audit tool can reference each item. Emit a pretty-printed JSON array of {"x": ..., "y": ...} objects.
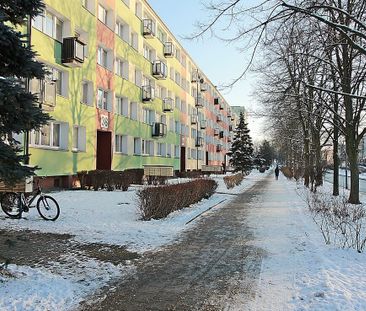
[
  {"x": 219, "y": 118},
  {"x": 148, "y": 28},
  {"x": 221, "y": 134},
  {"x": 148, "y": 93},
  {"x": 203, "y": 87},
  {"x": 229, "y": 139},
  {"x": 219, "y": 147},
  {"x": 159, "y": 129},
  {"x": 199, "y": 142},
  {"x": 216, "y": 132},
  {"x": 72, "y": 54},
  {"x": 168, "y": 49},
  {"x": 194, "y": 119},
  {"x": 203, "y": 124},
  {"x": 229, "y": 113},
  {"x": 199, "y": 102},
  {"x": 221, "y": 107},
  {"x": 159, "y": 70},
  {"x": 230, "y": 128},
  {"x": 168, "y": 104}
]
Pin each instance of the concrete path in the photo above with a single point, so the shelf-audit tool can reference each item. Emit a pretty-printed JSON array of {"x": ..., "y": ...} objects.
[{"x": 208, "y": 269}]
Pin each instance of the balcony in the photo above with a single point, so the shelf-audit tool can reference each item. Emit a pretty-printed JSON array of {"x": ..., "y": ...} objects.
[
  {"x": 216, "y": 101},
  {"x": 203, "y": 124},
  {"x": 229, "y": 113},
  {"x": 216, "y": 132},
  {"x": 159, "y": 129},
  {"x": 148, "y": 93},
  {"x": 221, "y": 107},
  {"x": 230, "y": 128},
  {"x": 148, "y": 28},
  {"x": 159, "y": 70},
  {"x": 72, "y": 54},
  {"x": 221, "y": 134},
  {"x": 219, "y": 147},
  {"x": 194, "y": 76},
  {"x": 203, "y": 87},
  {"x": 219, "y": 118},
  {"x": 229, "y": 139},
  {"x": 194, "y": 119},
  {"x": 199, "y": 102},
  {"x": 232, "y": 118},
  {"x": 199, "y": 142},
  {"x": 168, "y": 104},
  {"x": 168, "y": 49}
]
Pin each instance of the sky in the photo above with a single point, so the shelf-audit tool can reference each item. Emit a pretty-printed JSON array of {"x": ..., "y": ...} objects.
[{"x": 220, "y": 62}]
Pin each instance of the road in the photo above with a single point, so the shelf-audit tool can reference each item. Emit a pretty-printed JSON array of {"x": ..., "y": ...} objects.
[{"x": 211, "y": 265}]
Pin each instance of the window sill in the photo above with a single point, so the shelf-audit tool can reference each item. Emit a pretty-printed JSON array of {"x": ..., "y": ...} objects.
[{"x": 48, "y": 148}]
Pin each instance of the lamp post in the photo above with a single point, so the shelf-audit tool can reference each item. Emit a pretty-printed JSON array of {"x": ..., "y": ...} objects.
[{"x": 199, "y": 81}]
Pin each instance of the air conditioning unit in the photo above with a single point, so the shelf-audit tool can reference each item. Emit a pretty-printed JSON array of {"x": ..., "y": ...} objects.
[
  {"x": 159, "y": 70},
  {"x": 159, "y": 129},
  {"x": 148, "y": 93},
  {"x": 148, "y": 28},
  {"x": 168, "y": 49},
  {"x": 72, "y": 54}
]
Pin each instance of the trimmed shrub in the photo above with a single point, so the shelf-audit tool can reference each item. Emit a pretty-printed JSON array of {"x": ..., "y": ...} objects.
[
  {"x": 190, "y": 174},
  {"x": 233, "y": 180},
  {"x": 158, "y": 202},
  {"x": 105, "y": 179}
]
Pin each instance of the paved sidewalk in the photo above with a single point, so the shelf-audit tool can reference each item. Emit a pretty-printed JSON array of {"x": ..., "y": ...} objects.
[{"x": 208, "y": 269}]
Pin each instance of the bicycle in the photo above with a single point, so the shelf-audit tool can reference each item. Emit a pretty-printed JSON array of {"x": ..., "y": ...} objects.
[{"x": 14, "y": 204}]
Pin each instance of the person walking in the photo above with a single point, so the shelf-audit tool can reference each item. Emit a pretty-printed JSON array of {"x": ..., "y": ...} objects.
[{"x": 277, "y": 172}]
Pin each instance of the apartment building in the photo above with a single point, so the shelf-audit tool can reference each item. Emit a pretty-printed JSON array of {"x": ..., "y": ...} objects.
[{"x": 122, "y": 93}]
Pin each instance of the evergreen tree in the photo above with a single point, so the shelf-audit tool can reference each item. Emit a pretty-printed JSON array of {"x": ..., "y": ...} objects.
[
  {"x": 19, "y": 112},
  {"x": 267, "y": 152},
  {"x": 241, "y": 151}
]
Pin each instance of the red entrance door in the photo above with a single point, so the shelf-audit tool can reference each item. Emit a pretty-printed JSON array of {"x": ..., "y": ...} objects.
[
  {"x": 182, "y": 159},
  {"x": 104, "y": 150}
]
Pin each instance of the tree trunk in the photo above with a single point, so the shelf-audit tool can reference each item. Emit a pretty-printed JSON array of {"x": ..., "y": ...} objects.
[
  {"x": 336, "y": 163},
  {"x": 355, "y": 182},
  {"x": 307, "y": 162}
]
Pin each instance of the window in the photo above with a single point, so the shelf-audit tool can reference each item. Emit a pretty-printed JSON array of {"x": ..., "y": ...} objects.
[
  {"x": 138, "y": 9},
  {"x": 102, "y": 14},
  {"x": 161, "y": 150},
  {"x": 137, "y": 146},
  {"x": 161, "y": 34},
  {"x": 88, "y": 4},
  {"x": 78, "y": 138},
  {"x": 126, "y": 2},
  {"x": 121, "y": 68},
  {"x": 138, "y": 78},
  {"x": 87, "y": 93},
  {"x": 134, "y": 41},
  {"x": 123, "y": 30},
  {"x": 104, "y": 100},
  {"x": 122, "y": 106},
  {"x": 102, "y": 57},
  {"x": 133, "y": 111},
  {"x": 121, "y": 144},
  {"x": 149, "y": 53},
  {"x": 176, "y": 151},
  {"x": 148, "y": 116},
  {"x": 49, "y": 24},
  {"x": 53, "y": 135}
]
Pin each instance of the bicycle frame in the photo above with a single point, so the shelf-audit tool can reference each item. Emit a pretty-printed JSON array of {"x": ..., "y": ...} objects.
[{"x": 28, "y": 203}]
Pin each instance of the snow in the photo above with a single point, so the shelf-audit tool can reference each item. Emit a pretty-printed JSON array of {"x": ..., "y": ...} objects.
[
  {"x": 300, "y": 272},
  {"x": 106, "y": 217}
]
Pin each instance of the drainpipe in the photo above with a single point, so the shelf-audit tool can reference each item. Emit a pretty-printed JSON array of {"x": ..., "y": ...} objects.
[{"x": 27, "y": 88}]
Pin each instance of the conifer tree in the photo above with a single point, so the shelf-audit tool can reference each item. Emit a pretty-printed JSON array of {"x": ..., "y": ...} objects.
[
  {"x": 19, "y": 111},
  {"x": 241, "y": 151}
]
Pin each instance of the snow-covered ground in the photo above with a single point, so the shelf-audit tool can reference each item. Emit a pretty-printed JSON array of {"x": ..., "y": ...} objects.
[
  {"x": 300, "y": 272},
  {"x": 107, "y": 217}
]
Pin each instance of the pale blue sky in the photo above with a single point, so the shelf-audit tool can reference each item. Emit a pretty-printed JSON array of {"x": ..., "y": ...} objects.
[{"x": 219, "y": 61}]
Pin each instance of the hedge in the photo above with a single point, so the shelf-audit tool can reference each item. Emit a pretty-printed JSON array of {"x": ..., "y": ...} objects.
[
  {"x": 233, "y": 180},
  {"x": 158, "y": 202}
]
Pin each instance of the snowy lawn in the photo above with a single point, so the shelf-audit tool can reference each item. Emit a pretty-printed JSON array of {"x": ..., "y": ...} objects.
[
  {"x": 106, "y": 217},
  {"x": 300, "y": 272}
]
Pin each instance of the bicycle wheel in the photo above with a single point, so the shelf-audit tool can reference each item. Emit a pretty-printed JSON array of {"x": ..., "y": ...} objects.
[
  {"x": 48, "y": 208},
  {"x": 11, "y": 204}
]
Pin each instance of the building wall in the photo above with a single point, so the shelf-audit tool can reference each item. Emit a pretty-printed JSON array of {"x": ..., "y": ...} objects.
[{"x": 130, "y": 125}]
